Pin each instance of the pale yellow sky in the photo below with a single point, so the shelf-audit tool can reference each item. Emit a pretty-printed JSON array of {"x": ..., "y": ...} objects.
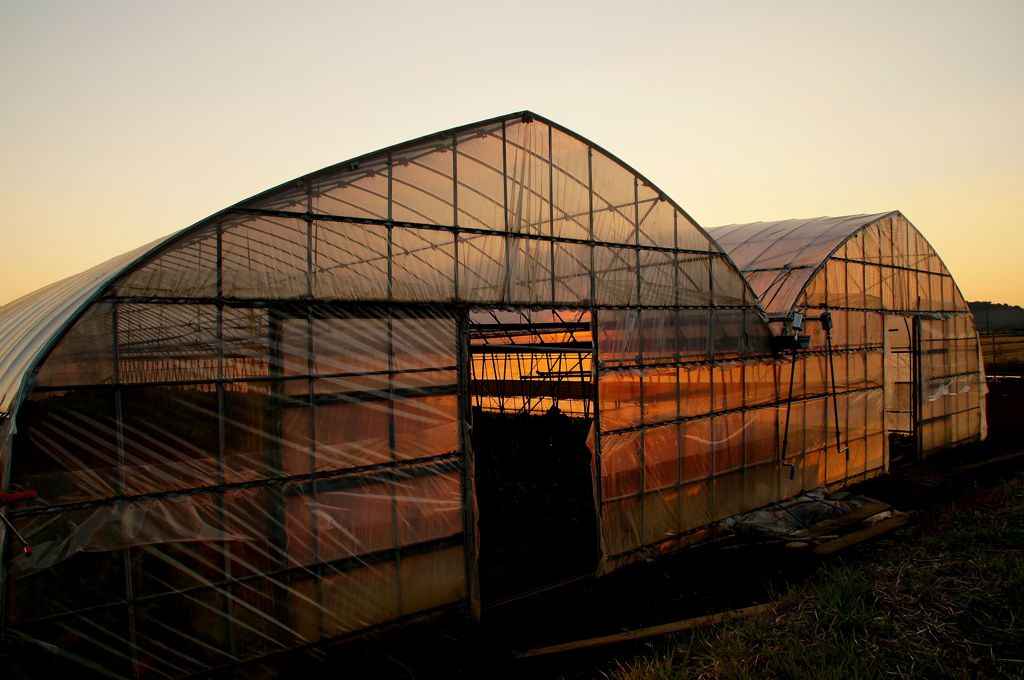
[{"x": 124, "y": 121}]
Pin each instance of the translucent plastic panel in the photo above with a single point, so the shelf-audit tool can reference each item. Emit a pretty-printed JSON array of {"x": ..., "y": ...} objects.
[
  {"x": 423, "y": 265},
  {"x": 265, "y": 258},
  {"x": 789, "y": 371},
  {"x": 728, "y": 387},
  {"x": 169, "y": 437},
  {"x": 778, "y": 299},
  {"x": 856, "y": 370},
  {"x": 729, "y": 332},
  {"x": 854, "y": 248},
  {"x": 900, "y": 234},
  {"x": 657, "y": 217},
  {"x": 727, "y": 433},
  {"x": 816, "y": 412},
  {"x": 356, "y": 599},
  {"x": 817, "y": 290},
  {"x": 620, "y": 464},
  {"x": 293, "y": 196},
  {"x": 785, "y": 251},
  {"x": 696, "y": 505},
  {"x": 918, "y": 251},
  {"x": 895, "y": 290},
  {"x": 188, "y": 268},
  {"x": 293, "y": 454},
  {"x": 85, "y": 354},
  {"x": 690, "y": 237},
  {"x": 483, "y": 262},
  {"x": 869, "y": 240},
  {"x": 251, "y": 444},
  {"x": 855, "y": 285},
  {"x": 621, "y": 525},
  {"x": 528, "y": 168},
  {"x": 758, "y": 335},
  {"x": 816, "y": 374},
  {"x": 949, "y": 296},
  {"x": 695, "y": 333},
  {"x": 614, "y": 205},
  {"x": 350, "y": 261},
  {"x": 429, "y": 506},
  {"x": 481, "y": 179},
  {"x": 619, "y": 398},
  {"x": 432, "y": 579},
  {"x": 659, "y": 337},
  {"x": 660, "y": 386},
  {"x": 571, "y": 182},
  {"x": 425, "y": 427},
  {"x": 619, "y": 335},
  {"x": 572, "y": 273},
  {"x": 422, "y": 342},
  {"x": 615, "y": 270},
  {"x": 695, "y": 390},
  {"x": 661, "y": 515},
  {"x": 661, "y": 457},
  {"x": 728, "y": 286},
  {"x": 872, "y": 287},
  {"x": 166, "y": 342},
  {"x": 759, "y": 382},
  {"x": 66, "y": 446},
  {"x": 245, "y": 338},
  {"x": 531, "y": 272},
  {"x": 422, "y": 188},
  {"x": 292, "y": 352},
  {"x": 351, "y": 345},
  {"x": 657, "y": 278},
  {"x": 359, "y": 192},
  {"x": 695, "y": 449},
  {"x": 765, "y": 283},
  {"x": 354, "y": 517},
  {"x": 835, "y": 280},
  {"x": 352, "y": 434},
  {"x": 694, "y": 279}
]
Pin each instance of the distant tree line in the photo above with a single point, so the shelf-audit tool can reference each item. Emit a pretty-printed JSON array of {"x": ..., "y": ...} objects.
[{"x": 996, "y": 316}]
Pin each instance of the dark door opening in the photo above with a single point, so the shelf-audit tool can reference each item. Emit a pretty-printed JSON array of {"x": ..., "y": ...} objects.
[
  {"x": 531, "y": 390},
  {"x": 535, "y": 501}
]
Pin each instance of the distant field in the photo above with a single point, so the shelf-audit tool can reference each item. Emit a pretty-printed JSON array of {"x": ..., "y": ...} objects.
[{"x": 1001, "y": 349}]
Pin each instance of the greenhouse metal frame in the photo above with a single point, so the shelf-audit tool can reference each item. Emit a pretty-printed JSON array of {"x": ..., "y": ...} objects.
[{"x": 264, "y": 432}]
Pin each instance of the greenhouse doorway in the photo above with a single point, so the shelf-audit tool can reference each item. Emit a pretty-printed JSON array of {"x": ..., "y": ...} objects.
[
  {"x": 902, "y": 370},
  {"x": 531, "y": 391}
]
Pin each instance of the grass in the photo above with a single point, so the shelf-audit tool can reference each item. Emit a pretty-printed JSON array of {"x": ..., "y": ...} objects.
[{"x": 949, "y": 604}]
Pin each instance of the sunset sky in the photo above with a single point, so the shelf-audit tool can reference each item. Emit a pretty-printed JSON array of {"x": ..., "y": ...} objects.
[{"x": 124, "y": 121}]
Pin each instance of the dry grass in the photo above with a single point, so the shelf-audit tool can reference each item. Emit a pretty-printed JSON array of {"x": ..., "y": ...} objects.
[{"x": 946, "y": 605}]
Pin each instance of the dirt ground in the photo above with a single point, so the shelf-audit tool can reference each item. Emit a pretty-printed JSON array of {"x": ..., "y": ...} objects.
[{"x": 699, "y": 580}]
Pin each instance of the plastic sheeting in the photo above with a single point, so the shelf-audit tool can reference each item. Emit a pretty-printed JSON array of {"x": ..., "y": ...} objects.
[
  {"x": 897, "y": 312},
  {"x": 257, "y": 437},
  {"x": 779, "y": 258},
  {"x": 254, "y": 437}
]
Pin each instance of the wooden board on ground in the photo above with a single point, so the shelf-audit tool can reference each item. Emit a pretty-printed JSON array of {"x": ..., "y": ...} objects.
[
  {"x": 861, "y": 535},
  {"x": 833, "y": 525},
  {"x": 663, "y": 629}
]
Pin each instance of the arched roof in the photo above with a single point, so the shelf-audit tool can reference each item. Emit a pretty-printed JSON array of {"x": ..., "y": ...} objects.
[
  {"x": 516, "y": 174},
  {"x": 780, "y": 258},
  {"x": 30, "y": 324}
]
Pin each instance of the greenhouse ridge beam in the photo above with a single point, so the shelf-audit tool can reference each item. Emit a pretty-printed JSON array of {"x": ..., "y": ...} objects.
[{"x": 478, "y": 231}]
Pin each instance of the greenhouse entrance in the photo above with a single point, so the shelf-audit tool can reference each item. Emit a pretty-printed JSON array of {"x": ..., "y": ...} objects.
[
  {"x": 532, "y": 397},
  {"x": 902, "y": 350}
]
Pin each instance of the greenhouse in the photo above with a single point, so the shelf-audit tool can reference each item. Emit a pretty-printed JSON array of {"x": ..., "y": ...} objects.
[
  {"x": 458, "y": 369},
  {"x": 903, "y": 347}
]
